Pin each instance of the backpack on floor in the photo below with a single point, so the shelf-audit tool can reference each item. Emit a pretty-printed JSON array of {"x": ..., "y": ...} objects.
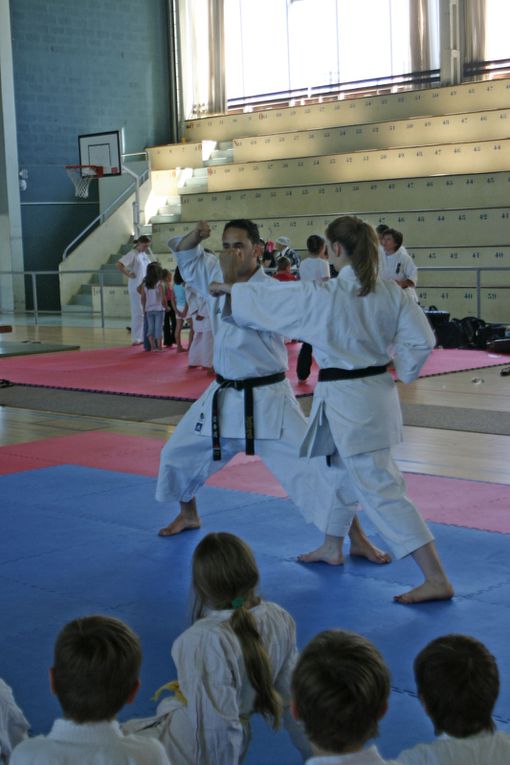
[{"x": 451, "y": 335}]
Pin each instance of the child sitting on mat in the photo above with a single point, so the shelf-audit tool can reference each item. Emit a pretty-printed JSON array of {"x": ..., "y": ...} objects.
[
  {"x": 95, "y": 672},
  {"x": 340, "y": 691},
  {"x": 457, "y": 680},
  {"x": 235, "y": 659}
]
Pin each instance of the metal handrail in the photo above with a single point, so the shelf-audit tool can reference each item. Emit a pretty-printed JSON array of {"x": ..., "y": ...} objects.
[
  {"x": 100, "y": 274},
  {"x": 103, "y": 216}
]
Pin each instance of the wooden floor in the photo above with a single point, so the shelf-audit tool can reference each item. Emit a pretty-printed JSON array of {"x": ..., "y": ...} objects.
[{"x": 475, "y": 456}]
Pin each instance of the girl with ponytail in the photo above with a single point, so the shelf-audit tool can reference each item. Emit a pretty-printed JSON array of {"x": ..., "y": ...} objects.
[
  {"x": 236, "y": 659},
  {"x": 355, "y": 324}
]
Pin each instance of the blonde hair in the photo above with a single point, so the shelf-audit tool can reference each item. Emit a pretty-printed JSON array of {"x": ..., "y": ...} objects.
[
  {"x": 225, "y": 576},
  {"x": 359, "y": 241}
]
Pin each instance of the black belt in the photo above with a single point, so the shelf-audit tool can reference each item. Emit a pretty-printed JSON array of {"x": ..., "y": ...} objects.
[
  {"x": 334, "y": 373},
  {"x": 247, "y": 385}
]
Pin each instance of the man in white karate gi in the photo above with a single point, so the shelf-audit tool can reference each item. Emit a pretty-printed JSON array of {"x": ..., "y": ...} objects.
[{"x": 250, "y": 407}]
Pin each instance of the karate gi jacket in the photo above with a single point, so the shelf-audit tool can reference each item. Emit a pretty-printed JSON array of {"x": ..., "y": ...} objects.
[
  {"x": 349, "y": 332},
  {"x": 239, "y": 353}
]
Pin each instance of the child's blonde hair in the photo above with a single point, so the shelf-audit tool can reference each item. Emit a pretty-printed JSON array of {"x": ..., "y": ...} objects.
[
  {"x": 225, "y": 576},
  {"x": 359, "y": 241}
]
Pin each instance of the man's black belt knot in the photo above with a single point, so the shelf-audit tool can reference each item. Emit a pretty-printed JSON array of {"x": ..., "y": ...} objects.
[{"x": 247, "y": 386}]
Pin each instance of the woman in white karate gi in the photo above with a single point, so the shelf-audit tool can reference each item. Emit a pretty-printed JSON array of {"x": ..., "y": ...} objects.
[
  {"x": 351, "y": 322},
  {"x": 236, "y": 659},
  {"x": 188, "y": 458}
]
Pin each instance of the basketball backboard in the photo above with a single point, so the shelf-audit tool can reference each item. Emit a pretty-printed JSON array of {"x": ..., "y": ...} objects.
[{"x": 101, "y": 149}]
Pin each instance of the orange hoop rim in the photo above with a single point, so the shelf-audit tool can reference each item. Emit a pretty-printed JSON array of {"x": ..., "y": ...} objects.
[{"x": 98, "y": 169}]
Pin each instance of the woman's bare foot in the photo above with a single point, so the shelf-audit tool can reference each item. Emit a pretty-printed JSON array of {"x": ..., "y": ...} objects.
[
  {"x": 178, "y": 525},
  {"x": 330, "y": 553},
  {"x": 180, "y": 349},
  {"x": 440, "y": 589},
  {"x": 363, "y": 548}
]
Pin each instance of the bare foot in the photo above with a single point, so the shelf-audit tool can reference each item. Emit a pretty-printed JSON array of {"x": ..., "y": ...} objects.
[
  {"x": 180, "y": 524},
  {"x": 329, "y": 554},
  {"x": 365, "y": 549},
  {"x": 429, "y": 590},
  {"x": 180, "y": 349}
]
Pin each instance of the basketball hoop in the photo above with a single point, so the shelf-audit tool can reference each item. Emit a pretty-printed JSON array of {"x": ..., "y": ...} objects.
[{"x": 81, "y": 176}]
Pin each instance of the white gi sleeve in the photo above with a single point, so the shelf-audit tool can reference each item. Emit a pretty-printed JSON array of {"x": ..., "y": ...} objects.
[
  {"x": 198, "y": 268},
  {"x": 414, "y": 340},
  {"x": 208, "y": 678},
  {"x": 283, "y": 308}
]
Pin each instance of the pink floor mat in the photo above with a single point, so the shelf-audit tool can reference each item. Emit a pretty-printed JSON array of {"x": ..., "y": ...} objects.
[
  {"x": 131, "y": 371},
  {"x": 454, "y": 501}
]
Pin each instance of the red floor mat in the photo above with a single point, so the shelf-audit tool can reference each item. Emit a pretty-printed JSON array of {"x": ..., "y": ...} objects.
[
  {"x": 459, "y": 502},
  {"x": 132, "y": 371}
]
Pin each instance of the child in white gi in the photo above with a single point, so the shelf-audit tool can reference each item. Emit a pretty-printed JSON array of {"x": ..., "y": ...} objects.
[
  {"x": 277, "y": 426},
  {"x": 340, "y": 690},
  {"x": 95, "y": 672},
  {"x": 236, "y": 659},
  {"x": 457, "y": 680},
  {"x": 200, "y": 350},
  {"x": 351, "y": 322},
  {"x": 313, "y": 268},
  {"x": 13, "y": 724}
]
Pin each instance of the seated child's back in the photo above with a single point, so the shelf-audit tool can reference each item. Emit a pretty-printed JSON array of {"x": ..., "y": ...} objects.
[
  {"x": 458, "y": 684},
  {"x": 95, "y": 672}
]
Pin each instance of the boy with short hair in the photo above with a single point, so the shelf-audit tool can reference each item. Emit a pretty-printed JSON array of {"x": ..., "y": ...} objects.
[
  {"x": 96, "y": 671},
  {"x": 457, "y": 679},
  {"x": 340, "y": 690}
]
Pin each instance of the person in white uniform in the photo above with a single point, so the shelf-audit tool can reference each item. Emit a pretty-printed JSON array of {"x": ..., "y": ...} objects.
[
  {"x": 235, "y": 660},
  {"x": 351, "y": 322},
  {"x": 314, "y": 268},
  {"x": 250, "y": 407},
  {"x": 457, "y": 680},
  {"x": 134, "y": 266},
  {"x": 397, "y": 264},
  {"x": 95, "y": 672},
  {"x": 13, "y": 723},
  {"x": 340, "y": 690},
  {"x": 200, "y": 350}
]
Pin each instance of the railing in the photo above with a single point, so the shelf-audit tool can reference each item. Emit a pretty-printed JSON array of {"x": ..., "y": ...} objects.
[
  {"x": 372, "y": 86},
  {"x": 37, "y": 312},
  {"x": 98, "y": 220}
]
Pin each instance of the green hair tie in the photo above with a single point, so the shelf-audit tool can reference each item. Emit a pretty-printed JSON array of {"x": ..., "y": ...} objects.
[{"x": 238, "y": 602}]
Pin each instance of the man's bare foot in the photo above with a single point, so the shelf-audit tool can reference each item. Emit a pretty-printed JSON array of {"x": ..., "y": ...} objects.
[
  {"x": 330, "y": 554},
  {"x": 429, "y": 590},
  {"x": 180, "y": 349},
  {"x": 178, "y": 525},
  {"x": 363, "y": 548}
]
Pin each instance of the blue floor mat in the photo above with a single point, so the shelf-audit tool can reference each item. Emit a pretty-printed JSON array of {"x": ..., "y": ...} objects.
[{"x": 79, "y": 541}]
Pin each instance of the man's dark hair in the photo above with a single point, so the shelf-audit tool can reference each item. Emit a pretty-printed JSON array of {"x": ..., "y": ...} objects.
[
  {"x": 96, "y": 667},
  {"x": 249, "y": 226},
  {"x": 382, "y": 228},
  {"x": 458, "y": 682}
]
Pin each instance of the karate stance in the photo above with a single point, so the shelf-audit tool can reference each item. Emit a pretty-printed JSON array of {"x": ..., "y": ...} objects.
[
  {"x": 250, "y": 367},
  {"x": 351, "y": 322},
  {"x": 236, "y": 659}
]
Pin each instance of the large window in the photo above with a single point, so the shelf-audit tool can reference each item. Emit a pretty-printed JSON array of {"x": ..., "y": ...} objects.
[{"x": 274, "y": 46}]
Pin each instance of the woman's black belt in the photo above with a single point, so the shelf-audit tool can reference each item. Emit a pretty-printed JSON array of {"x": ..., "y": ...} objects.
[
  {"x": 249, "y": 428},
  {"x": 334, "y": 373}
]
